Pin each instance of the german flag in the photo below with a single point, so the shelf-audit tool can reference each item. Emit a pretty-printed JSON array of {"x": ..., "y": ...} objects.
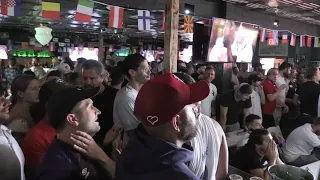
[
  {"x": 188, "y": 24},
  {"x": 51, "y": 10}
]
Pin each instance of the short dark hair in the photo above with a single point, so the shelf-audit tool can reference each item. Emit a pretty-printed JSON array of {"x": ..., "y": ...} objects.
[
  {"x": 20, "y": 83},
  {"x": 316, "y": 121},
  {"x": 186, "y": 78},
  {"x": 93, "y": 64},
  {"x": 55, "y": 73},
  {"x": 251, "y": 117},
  {"x": 284, "y": 65},
  {"x": 311, "y": 72},
  {"x": 116, "y": 75},
  {"x": 29, "y": 73},
  {"x": 210, "y": 68},
  {"x": 133, "y": 62},
  {"x": 256, "y": 137},
  {"x": 71, "y": 77},
  {"x": 245, "y": 88}
]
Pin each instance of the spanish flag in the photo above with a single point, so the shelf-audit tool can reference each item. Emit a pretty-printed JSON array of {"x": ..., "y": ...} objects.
[{"x": 51, "y": 10}]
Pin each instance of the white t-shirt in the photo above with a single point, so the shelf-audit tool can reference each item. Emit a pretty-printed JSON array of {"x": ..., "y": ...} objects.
[
  {"x": 301, "y": 141},
  {"x": 206, "y": 103},
  {"x": 206, "y": 147},
  {"x": 256, "y": 103},
  {"x": 7, "y": 140},
  {"x": 123, "y": 108},
  {"x": 282, "y": 95}
]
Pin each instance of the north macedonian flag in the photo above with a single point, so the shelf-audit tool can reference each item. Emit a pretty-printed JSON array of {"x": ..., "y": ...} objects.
[
  {"x": 51, "y": 10},
  {"x": 188, "y": 24}
]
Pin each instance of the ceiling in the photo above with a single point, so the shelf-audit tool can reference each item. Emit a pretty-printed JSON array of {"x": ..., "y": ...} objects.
[
  {"x": 31, "y": 17},
  {"x": 307, "y": 11}
]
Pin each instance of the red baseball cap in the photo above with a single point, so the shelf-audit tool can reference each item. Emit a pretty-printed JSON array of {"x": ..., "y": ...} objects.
[{"x": 161, "y": 98}]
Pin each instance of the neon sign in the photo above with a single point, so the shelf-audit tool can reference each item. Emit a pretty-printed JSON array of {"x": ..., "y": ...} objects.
[{"x": 31, "y": 53}]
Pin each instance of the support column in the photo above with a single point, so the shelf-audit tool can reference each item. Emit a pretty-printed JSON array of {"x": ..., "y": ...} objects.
[
  {"x": 101, "y": 51},
  {"x": 171, "y": 40}
]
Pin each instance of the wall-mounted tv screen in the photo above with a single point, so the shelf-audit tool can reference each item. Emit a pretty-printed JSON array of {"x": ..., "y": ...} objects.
[
  {"x": 83, "y": 52},
  {"x": 232, "y": 41},
  {"x": 3, "y": 52}
]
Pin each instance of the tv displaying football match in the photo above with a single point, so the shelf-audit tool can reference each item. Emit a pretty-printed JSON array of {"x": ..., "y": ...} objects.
[{"x": 232, "y": 41}]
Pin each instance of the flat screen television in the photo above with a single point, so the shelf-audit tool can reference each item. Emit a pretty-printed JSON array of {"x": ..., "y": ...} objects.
[
  {"x": 83, "y": 52},
  {"x": 3, "y": 52},
  {"x": 232, "y": 41}
]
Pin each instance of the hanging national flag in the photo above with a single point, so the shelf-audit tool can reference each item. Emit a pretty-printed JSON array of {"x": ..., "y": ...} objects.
[
  {"x": 188, "y": 24},
  {"x": 207, "y": 26},
  {"x": 284, "y": 38},
  {"x": 84, "y": 10},
  {"x": 50, "y": 10},
  {"x": 302, "y": 41},
  {"x": 111, "y": 48},
  {"x": 309, "y": 41},
  {"x": 116, "y": 17},
  {"x": 11, "y": 7},
  {"x": 263, "y": 34},
  {"x": 24, "y": 45},
  {"x": 52, "y": 46},
  {"x": 163, "y": 20},
  {"x": 275, "y": 37},
  {"x": 316, "y": 42},
  {"x": 293, "y": 40},
  {"x": 144, "y": 20}
]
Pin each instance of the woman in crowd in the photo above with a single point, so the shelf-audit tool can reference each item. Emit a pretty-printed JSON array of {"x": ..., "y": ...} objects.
[{"x": 25, "y": 90}]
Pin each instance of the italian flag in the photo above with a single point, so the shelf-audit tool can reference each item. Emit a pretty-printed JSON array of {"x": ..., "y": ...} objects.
[{"x": 84, "y": 10}]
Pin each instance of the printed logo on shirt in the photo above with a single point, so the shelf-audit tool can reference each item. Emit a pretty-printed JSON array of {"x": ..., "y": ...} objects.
[
  {"x": 152, "y": 119},
  {"x": 85, "y": 173}
]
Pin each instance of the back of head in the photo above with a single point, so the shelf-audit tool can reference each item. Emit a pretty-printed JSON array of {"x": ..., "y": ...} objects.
[
  {"x": 311, "y": 72},
  {"x": 186, "y": 78},
  {"x": 284, "y": 65},
  {"x": 30, "y": 73},
  {"x": 254, "y": 77},
  {"x": 54, "y": 73},
  {"x": 116, "y": 76},
  {"x": 131, "y": 62},
  {"x": 250, "y": 118},
  {"x": 256, "y": 137},
  {"x": 316, "y": 121},
  {"x": 81, "y": 60},
  {"x": 244, "y": 88},
  {"x": 164, "y": 101},
  {"x": 93, "y": 65},
  {"x": 71, "y": 78}
]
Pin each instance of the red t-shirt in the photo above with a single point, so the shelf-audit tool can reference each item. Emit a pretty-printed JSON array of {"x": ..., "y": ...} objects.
[
  {"x": 36, "y": 142},
  {"x": 269, "y": 88}
]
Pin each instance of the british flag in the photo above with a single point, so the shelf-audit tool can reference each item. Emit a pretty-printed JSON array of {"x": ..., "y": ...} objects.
[{"x": 11, "y": 7}]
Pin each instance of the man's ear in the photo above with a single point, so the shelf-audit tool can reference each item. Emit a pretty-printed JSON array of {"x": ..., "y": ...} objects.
[
  {"x": 72, "y": 119},
  {"x": 176, "y": 122}
]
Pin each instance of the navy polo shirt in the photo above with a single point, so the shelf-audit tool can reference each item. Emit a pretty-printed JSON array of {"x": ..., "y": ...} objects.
[{"x": 62, "y": 162}]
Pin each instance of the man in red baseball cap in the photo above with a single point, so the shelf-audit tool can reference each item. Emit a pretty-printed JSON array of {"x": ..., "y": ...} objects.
[{"x": 167, "y": 109}]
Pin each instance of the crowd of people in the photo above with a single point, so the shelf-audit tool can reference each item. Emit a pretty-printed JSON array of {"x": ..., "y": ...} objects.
[{"x": 132, "y": 121}]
